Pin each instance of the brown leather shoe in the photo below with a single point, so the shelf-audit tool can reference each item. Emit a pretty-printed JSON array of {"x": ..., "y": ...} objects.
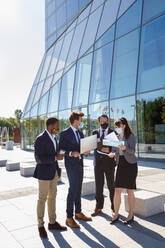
[
  {"x": 96, "y": 212},
  {"x": 81, "y": 216},
  {"x": 72, "y": 223},
  {"x": 56, "y": 226},
  {"x": 42, "y": 232}
]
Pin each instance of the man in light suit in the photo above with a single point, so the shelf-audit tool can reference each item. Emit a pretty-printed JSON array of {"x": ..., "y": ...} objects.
[
  {"x": 47, "y": 172},
  {"x": 70, "y": 143}
]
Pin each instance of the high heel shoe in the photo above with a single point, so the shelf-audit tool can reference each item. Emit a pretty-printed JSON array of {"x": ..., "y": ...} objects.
[
  {"x": 114, "y": 220},
  {"x": 126, "y": 222}
]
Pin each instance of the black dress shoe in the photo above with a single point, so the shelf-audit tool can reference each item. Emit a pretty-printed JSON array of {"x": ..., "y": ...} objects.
[
  {"x": 114, "y": 220},
  {"x": 127, "y": 222},
  {"x": 42, "y": 232},
  {"x": 56, "y": 226}
]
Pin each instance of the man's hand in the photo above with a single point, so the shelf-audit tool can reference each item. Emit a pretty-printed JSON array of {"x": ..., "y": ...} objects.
[
  {"x": 86, "y": 153},
  {"x": 60, "y": 156},
  {"x": 111, "y": 155},
  {"x": 123, "y": 148},
  {"x": 75, "y": 154},
  {"x": 105, "y": 149}
]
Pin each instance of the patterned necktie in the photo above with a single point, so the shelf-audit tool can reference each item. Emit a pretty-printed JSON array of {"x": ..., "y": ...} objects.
[{"x": 78, "y": 138}]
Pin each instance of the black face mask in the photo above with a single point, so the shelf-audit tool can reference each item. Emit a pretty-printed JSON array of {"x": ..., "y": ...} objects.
[{"x": 104, "y": 125}]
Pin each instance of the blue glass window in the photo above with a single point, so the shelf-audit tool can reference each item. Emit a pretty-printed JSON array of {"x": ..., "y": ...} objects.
[
  {"x": 96, "y": 4},
  {"x": 42, "y": 109},
  {"x": 110, "y": 14},
  {"x": 39, "y": 71},
  {"x": 125, "y": 4},
  {"x": 83, "y": 73},
  {"x": 57, "y": 77},
  {"x": 130, "y": 20},
  {"x": 124, "y": 107},
  {"x": 152, "y": 9},
  {"x": 61, "y": 15},
  {"x": 100, "y": 82},
  {"x": 54, "y": 97},
  {"x": 64, "y": 51},
  {"x": 38, "y": 92},
  {"x": 72, "y": 8},
  {"x": 152, "y": 56},
  {"x": 30, "y": 98},
  {"x": 47, "y": 85},
  {"x": 90, "y": 32},
  {"x": 107, "y": 37},
  {"x": 125, "y": 65},
  {"x": 75, "y": 46},
  {"x": 82, "y": 3},
  {"x": 46, "y": 64},
  {"x": 33, "y": 112},
  {"x": 55, "y": 56},
  {"x": 84, "y": 14},
  {"x": 67, "y": 89}
]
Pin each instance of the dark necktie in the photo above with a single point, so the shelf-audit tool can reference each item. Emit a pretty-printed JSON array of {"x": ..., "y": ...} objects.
[
  {"x": 102, "y": 136},
  {"x": 78, "y": 138}
]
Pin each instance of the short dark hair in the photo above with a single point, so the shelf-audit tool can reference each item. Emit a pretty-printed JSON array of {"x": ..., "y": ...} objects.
[
  {"x": 104, "y": 116},
  {"x": 51, "y": 121},
  {"x": 75, "y": 116}
]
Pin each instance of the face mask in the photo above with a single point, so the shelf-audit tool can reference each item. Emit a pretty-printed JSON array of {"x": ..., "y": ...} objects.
[
  {"x": 81, "y": 125},
  {"x": 119, "y": 130},
  {"x": 104, "y": 125}
]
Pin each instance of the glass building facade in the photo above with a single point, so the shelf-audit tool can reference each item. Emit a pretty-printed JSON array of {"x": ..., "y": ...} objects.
[{"x": 102, "y": 56}]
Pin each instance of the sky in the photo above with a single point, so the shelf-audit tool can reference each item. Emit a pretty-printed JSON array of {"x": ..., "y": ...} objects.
[{"x": 22, "y": 44}]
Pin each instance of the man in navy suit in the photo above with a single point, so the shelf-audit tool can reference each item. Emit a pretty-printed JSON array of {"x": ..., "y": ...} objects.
[
  {"x": 47, "y": 172},
  {"x": 70, "y": 143}
]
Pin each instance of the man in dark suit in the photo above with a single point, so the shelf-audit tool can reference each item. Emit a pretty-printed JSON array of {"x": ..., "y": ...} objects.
[
  {"x": 104, "y": 165},
  {"x": 70, "y": 143},
  {"x": 47, "y": 172}
]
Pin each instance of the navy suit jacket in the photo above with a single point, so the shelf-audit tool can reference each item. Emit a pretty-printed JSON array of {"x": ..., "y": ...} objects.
[
  {"x": 68, "y": 143},
  {"x": 45, "y": 157}
]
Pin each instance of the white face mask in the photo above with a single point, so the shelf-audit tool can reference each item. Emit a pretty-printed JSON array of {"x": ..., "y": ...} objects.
[
  {"x": 81, "y": 125},
  {"x": 119, "y": 130}
]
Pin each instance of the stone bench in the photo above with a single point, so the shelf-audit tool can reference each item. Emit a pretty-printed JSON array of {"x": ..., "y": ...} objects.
[
  {"x": 88, "y": 187},
  {"x": 12, "y": 166},
  {"x": 147, "y": 203},
  {"x": 27, "y": 169},
  {"x": 3, "y": 162}
]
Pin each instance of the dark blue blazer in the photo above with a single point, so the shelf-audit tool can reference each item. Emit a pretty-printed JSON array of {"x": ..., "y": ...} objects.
[
  {"x": 68, "y": 143},
  {"x": 45, "y": 157}
]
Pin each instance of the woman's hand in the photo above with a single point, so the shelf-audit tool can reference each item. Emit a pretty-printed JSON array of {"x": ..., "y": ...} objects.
[
  {"x": 123, "y": 148},
  {"x": 111, "y": 155}
]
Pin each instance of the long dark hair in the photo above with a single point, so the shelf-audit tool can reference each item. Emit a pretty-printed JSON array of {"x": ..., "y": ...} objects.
[{"x": 127, "y": 130}]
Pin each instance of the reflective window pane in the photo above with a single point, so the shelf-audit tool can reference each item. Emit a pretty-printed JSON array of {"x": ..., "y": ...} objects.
[
  {"x": 130, "y": 20},
  {"x": 110, "y": 14},
  {"x": 124, "y": 107},
  {"x": 100, "y": 81},
  {"x": 54, "y": 97},
  {"x": 64, "y": 51},
  {"x": 107, "y": 37},
  {"x": 90, "y": 32},
  {"x": 55, "y": 56},
  {"x": 81, "y": 89},
  {"x": 72, "y": 8},
  {"x": 61, "y": 15},
  {"x": 152, "y": 57},
  {"x": 84, "y": 14},
  {"x": 75, "y": 46},
  {"x": 38, "y": 92},
  {"x": 46, "y": 64},
  {"x": 34, "y": 110},
  {"x": 125, "y": 65},
  {"x": 67, "y": 89},
  {"x": 37, "y": 79},
  {"x": 95, "y": 110},
  {"x": 152, "y": 9},
  {"x": 57, "y": 76},
  {"x": 125, "y": 4},
  {"x": 42, "y": 109},
  {"x": 63, "y": 117},
  {"x": 47, "y": 85},
  {"x": 96, "y": 4},
  {"x": 151, "y": 123},
  {"x": 30, "y": 99}
]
